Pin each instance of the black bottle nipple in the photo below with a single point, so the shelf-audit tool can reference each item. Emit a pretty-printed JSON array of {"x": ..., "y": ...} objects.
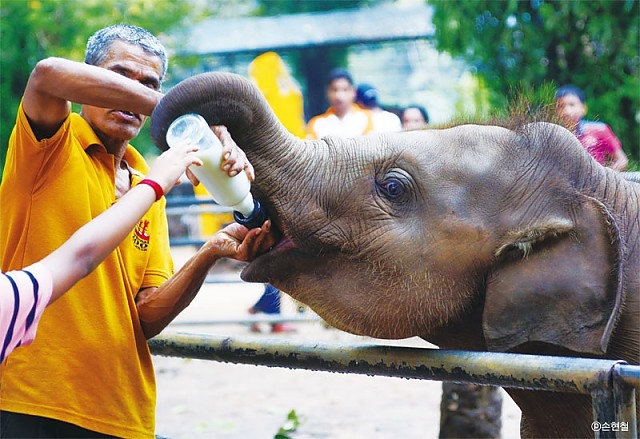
[{"x": 255, "y": 218}]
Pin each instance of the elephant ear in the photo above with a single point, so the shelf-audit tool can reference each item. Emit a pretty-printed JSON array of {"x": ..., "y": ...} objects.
[{"x": 558, "y": 282}]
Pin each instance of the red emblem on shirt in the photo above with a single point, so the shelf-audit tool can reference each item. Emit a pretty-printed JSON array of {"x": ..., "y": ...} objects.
[{"x": 140, "y": 236}]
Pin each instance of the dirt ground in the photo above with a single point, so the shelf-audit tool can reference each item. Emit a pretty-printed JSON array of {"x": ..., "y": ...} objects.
[{"x": 200, "y": 399}]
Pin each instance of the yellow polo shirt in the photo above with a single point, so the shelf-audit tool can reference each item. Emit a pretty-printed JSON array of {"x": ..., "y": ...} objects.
[{"x": 89, "y": 364}]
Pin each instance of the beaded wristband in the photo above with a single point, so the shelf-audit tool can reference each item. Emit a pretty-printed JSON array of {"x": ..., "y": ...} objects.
[{"x": 155, "y": 186}]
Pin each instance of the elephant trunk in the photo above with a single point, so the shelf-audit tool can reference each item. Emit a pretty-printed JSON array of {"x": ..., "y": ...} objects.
[{"x": 232, "y": 100}]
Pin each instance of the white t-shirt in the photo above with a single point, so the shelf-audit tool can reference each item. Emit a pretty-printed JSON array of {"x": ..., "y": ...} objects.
[{"x": 386, "y": 122}]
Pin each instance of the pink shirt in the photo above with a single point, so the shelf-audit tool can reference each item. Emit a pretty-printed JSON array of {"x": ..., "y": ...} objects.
[
  {"x": 24, "y": 294},
  {"x": 598, "y": 139}
]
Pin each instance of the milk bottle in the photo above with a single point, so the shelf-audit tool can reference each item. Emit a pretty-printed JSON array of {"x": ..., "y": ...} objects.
[{"x": 233, "y": 192}]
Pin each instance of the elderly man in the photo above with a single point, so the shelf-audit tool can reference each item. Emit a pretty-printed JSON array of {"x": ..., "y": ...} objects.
[{"x": 89, "y": 373}]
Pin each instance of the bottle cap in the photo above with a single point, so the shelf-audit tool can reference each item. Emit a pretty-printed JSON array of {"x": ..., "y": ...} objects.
[{"x": 255, "y": 219}]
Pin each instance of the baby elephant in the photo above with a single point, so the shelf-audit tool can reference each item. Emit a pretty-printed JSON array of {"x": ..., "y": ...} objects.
[{"x": 472, "y": 237}]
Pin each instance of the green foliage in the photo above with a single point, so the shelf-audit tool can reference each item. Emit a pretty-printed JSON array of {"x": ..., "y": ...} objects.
[
  {"x": 290, "y": 425},
  {"x": 593, "y": 44},
  {"x": 35, "y": 29}
]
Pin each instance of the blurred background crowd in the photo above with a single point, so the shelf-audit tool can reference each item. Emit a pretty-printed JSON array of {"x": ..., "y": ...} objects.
[{"x": 459, "y": 60}]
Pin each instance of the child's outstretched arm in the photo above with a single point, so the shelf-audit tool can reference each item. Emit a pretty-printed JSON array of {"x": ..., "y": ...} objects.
[{"x": 93, "y": 242}]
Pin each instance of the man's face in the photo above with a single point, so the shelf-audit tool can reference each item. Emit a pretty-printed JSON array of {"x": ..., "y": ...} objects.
[
  {"x": 571, "y": 109},
  {"x": 341, "y": 95},
  {"x": 114, "y": 125}
]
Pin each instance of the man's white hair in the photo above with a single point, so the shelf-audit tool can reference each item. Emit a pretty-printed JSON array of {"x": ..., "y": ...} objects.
[{"x": 98, "y": 44}]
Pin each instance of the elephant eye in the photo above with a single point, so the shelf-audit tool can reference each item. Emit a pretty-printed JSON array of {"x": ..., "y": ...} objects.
[{"x": 394, "y": 187}]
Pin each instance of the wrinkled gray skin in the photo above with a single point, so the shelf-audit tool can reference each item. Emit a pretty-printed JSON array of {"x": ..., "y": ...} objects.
[{"x": 473, "y": 237}]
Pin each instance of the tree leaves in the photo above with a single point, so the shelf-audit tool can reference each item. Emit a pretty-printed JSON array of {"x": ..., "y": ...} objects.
[
  {"x": 514, "y": 44},
  {"x": 36, "y": 29}
]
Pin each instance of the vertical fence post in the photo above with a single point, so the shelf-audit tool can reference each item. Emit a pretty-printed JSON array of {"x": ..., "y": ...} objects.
[
  {"x": 625, "y": 401},
  {"x": 614, "y": 408},
  {"x": 604, "y": 413}
]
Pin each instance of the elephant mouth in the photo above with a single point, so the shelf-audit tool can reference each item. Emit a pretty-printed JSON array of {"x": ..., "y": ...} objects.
[
  {"x": 285, "y": 261},
  {"x": 261, "y": 269},
  {"x": 283, "y": 245},
  {"x": 280, "y": 265}
]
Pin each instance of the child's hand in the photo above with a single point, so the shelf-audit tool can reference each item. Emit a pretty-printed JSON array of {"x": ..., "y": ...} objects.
[{"x": 171, "y": 164}]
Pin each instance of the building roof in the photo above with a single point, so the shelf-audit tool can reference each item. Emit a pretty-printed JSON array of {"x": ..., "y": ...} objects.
[{"x": 341, "y": 27}]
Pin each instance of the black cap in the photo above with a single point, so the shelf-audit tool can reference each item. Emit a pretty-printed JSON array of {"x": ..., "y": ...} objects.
[{"x": 367, "y": 95}]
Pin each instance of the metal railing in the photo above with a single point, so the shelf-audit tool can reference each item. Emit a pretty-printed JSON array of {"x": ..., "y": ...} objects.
[
  {"x": 612, "y": 384},
  {"x": 190, "y": 206}
]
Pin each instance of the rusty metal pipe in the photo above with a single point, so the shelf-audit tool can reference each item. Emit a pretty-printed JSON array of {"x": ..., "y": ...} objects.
[
  {"x": 535, "y": 372},
  {"x": 612, "y": 384}
]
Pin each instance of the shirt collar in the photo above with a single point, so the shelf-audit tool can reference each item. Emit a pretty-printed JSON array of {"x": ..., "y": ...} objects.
[{"x": 88, "y": 137}]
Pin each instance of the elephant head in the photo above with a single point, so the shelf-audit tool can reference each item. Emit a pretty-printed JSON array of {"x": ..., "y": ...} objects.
[{"x": 516, "y": 231}]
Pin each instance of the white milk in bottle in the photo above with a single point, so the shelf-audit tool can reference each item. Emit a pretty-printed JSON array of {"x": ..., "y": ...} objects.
[{"x": 233, "y": 192}]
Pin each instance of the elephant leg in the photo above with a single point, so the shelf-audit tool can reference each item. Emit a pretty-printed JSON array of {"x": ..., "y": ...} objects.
[
  {"x": 553, "y": 414},
  {"x": 470, "y": 411}
]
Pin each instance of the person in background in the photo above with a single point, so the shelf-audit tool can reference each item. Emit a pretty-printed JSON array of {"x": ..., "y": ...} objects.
[
  {"x": 89, "y": 373},
  {"x": 383, "y": 121},
  {"x": 414, "y": 117},
  {"x": 269, "y": 303},
  {"x": 344, "y": 117},
  {"x": 596, "y": 137}
]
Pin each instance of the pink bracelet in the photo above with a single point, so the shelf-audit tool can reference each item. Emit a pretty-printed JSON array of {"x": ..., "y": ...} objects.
[{"x": 155, "y": 186}]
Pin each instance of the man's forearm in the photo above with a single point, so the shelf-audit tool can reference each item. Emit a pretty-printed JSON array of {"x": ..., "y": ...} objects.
[
  {"x": 157, "y": 307},
  {"x": 86, "y": 84}
]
